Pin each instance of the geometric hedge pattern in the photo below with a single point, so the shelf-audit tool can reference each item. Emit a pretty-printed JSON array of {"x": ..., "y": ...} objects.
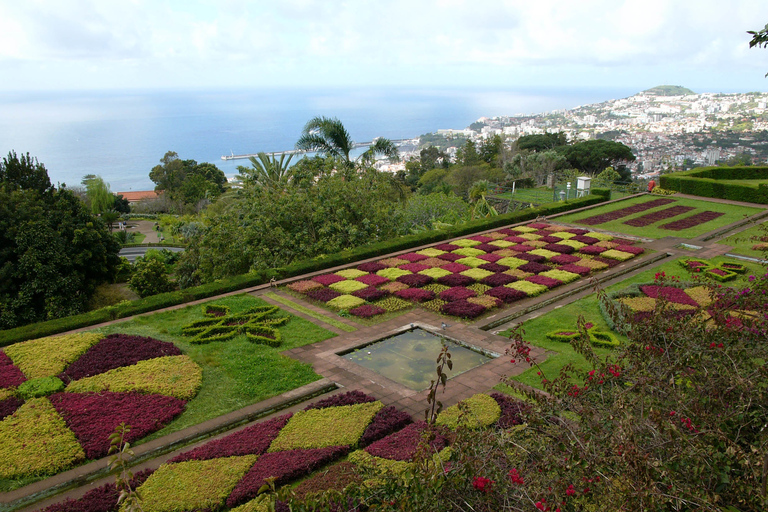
[{"x": 467, "y": 277}]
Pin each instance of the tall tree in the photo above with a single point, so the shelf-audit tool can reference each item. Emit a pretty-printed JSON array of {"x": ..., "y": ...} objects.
[
  {"x": 99, "y": 196},
  {"x": 593, "y": 156},
  {"x": 759, "y": 38},
  {"x": 266, "y": 171},
  {"x": 25, "y": 173}
]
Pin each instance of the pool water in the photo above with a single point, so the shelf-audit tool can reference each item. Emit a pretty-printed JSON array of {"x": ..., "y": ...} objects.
[{"x": 410, "y": 358}]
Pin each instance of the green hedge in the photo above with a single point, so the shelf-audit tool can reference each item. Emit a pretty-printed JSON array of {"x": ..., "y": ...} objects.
[
  {"x": 708, "y": 182},
  {"x": 164, "y": 300}
]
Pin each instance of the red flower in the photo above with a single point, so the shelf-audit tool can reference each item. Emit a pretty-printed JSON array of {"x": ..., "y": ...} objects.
[
  {"x": 483, "y": 484},
  {"x": 515, "y": 477}
]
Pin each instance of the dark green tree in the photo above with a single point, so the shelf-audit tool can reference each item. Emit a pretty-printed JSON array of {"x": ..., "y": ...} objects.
[
  {"x": 593, "y": 156},
  {"x": 759, "y": 38},
  {"x": 25, "y": 173},
  {"x": 266, "y": 171},
  {"x": 149, "y": 277},
  {"x": 542, "y": 142},
  {"x": 186, "y": 181}
]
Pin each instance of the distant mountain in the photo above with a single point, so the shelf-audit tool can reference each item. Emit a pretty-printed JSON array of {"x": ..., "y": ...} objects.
[{"x": 669, "y": 90}]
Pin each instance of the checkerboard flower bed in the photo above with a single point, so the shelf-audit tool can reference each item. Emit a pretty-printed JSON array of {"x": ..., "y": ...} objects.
[
  {"x": 463, "y": 309},
  {"x": 413, "y": 257},
  {"x": 559, "y": 248},
  {"x": 413, "y": 267},
  {"x": 371, "y": 267},
  {"x": 393, "y": 287},
  {"x": 347, "y": 287},
  {"x": 544, "y": 281},
  {"x": 499, "y": 279},
  {"x": 345, "y": 302},
  {"x": 101, "y": 499},
  {"x": 454, "y": 280},
  {"x": 367, "y": 311},
  {"x": 616, "y": 254},
  {"x": 350, "y": 273},
  {"x": 434, "y": 305},
  {"x": 593, "y": 250},
  {"x": 415, "y": 295},
  {"x": 392, "y": 273},
  {"x": 323, "y": 294},
  {"x": 529, "y": 288},
  {"x": 402, "y": 445},
  {"x": 693, "y": 220},
  {"x": 370, "y": 294},
  {"x": 506, "y": 295},
  {"x": 304, "y": 286},
  {"x": 487, "y": 301},
  {"x": 575, "y": 269},
  {"x": 372, "y": 279},
  {"x": 393, "y": 262},
  {"x": 327, "y": 279},
  {"x": 415, "y": 280},
  {"x": 531, "y": 258},
  {"x": 494, "y": 268},
  {"x": 561, "y": 275},
  {"x": 652, "y": 218},
  {"x": 457, "y": 293},
  {"x": 490, "y": 258},
  {"x": 393, "y": 304},
  {"x": 468, "y": 251},
  {"x": 624, "y": 212},
  {"x": 534, "y": 268},
  {"x": 585, "y": 239}
]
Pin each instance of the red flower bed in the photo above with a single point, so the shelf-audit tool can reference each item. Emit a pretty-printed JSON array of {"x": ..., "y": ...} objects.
[
  {"x": 693, "y": 220},
  {"x": 562, "y": 249},
  {"x": 575, "y": 269},
  {"x": 414, "y": 280},
  {"x": 494, "y": 267},
  {"x": 101, "y": 499},
  {"x": 414, "y": 267},
  {"x": 371, "y": 266},
  {"x": 457, "y": 293},
  {"x": 608, "y": 261},
  {"x": 577, "y": 231},
  {"x": 447, "y": 247},
  {"x": 511, "y": 410},
  {"x": 490, "y": 258},
  {"x": 516, "y": 239},
  {"x": 499, "y": 279},
  {"x": 505, "y": 294},
  {"x": 522, "y": 247},
  {"x": 117, "y": 350},
  {"x": 481, "y": 238},
  {"x": 387, "y": 420},
  {"x": 487, "y": 247},
  {"x": 592, "y": 249},
  {"x": 550, "y": 239},
  {"x": 534, "y": 267},
  {"x": 415, "y": 294},
  {"x": 327, "y": 279},
  {"x": 10, "y": 374},
  {"x": 402, "y": 445},
  {"x": 462, "y": 309},
  {"x": 654, "y": 217},
  {"x": 508, "y": 232},
  {"x": 586, "y": 239},
  {"x": 94, "y": 416},
  {"x": 412, "y": 257},
  {"x": 564, "y": 259},
  {"x": 456, "y": 280},
  {"x": 252, "y": 440},
  {"x": 354, "y": 397},
  {"x": 624, "y": 212},
  {"x": 323, "y": 294},
  {"x": 367, "y": 311},
  {"x": 632, "y": 249},
  {"x": 454, "y": 267},
  {"x": 284, "y": 467},
  {"x": 9, "y": 406},
  {"x": 533, "y": 258},
  {"x": 372, "y": 279},
  {"x": 545, "y": 281},
  {"x": 669, "y": 293},
  {"x": 449, "y": 256},
  {"x": 370, "y": 294}
]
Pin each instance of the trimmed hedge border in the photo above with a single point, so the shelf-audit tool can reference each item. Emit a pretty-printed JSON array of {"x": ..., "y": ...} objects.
[
  {"x": 231, "y": 284},
  {"x": 706, "y": 182}
]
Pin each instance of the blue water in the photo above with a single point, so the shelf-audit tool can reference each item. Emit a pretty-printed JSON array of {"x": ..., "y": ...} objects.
[{"x": 122, "y": 135}]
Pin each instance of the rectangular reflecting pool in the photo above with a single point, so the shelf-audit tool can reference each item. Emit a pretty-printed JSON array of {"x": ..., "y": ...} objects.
[{"x": 409, "y": 358}]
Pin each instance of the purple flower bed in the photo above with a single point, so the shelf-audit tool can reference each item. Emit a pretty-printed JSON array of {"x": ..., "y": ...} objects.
[
  {"x": 284, "y": 467},
  {"x": 254, "y": 439},
  {"x": 586, "y": 239},
  {"x": 415, "y": 294},
  {"x": 402, "y": 445},
  {"x": 101, "y": 499},
  {"x": 94, "y": 416},
  {"x": 481, "y": 238},
  {"x": 564, "y": 259},
  {"x": 349, "y": 398},
  {"x": 490, "y": 258},
  {"x": 327, "y": 279},
  {"x": 371, "y": 266},
  {"x": 117, "y": 350},
  {"x": 669, "y": 293},
  {"x": 507, "y": 295},
  {"x": 562, "y": 249},
  {"x": 455, "y": 280},
  {"x": 323, "y": 294},
  {"x": 412, "y": 257},
  {"x": 494, "y": 267},
  {"x": 387, "y": 420},
  {"x": 608, "y": 261},
  {"x": 654, "y": 217},
  {"x": 511, "y": 410},
  {"x": 545, "y": 281},
  {"x": 632, "y": 249},
  {"x": 370, "y": 294},
  {"x": 414, "y": 267},
  {"x": 592, "y": 249},
  {"x": 447, "y": 247},
  {"x": 499, "y": 279},
  {"x": 462, "y": 309},
  {"x": 624, "y": 212},
  {"x": 367, "y": 311},
  {"x": 693, "y": 220},
  {"x": 10, "y": 374},
  {"x": 487, "y": 247},
  {"x": 575, "y": 269},
  {"x": 577, "y": 231},
  {"x": 623, "y": 241},
  {"x": 372, "y": 279},
  {"x": 508, "y": 232},
  {"x": 534, "y": 267},
  {"x": 9, "y": 406},
  {"x": 516, "y": 239},
  {"x": 522, "y": 247},
  {"x": 455, "y": 267},
  {"x": 533, "y": 258},
  {"x": 449, "y": 256},
  {"x": 457, "y": 293},
  {"x": 550, "y": 239},
  {"x": 415, "y": 280}
]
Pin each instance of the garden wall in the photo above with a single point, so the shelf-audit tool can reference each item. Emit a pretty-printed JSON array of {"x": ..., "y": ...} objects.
[
  {"x": 708, "y": 182},
  {"x": 164, "y": 300}
]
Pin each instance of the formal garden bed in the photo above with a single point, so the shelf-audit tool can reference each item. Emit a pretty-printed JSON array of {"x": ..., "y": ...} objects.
[
  {"x": 352, "y": 432},
  {"x": 62, "y": 396},
  {"x": 653, "y": 217},
  {"x": 752, "y": 242},
  {"x": 466, "y": 278}
]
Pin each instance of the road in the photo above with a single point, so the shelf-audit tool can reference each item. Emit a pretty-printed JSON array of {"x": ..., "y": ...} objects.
[{"x": 131, "y": 253}]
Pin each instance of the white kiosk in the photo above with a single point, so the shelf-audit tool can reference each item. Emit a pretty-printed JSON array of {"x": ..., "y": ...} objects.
[{"x": 583, "y": 184}]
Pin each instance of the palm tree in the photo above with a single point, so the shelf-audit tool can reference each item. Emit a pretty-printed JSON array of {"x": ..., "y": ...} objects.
[{"x": 266, "y": 171}]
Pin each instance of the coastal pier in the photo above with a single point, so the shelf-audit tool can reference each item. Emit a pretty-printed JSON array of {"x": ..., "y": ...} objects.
[{"x": 233, "y": 156}]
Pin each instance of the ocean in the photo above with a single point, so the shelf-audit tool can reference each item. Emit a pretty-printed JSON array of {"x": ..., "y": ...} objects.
[{"x": 121, "y": 135}]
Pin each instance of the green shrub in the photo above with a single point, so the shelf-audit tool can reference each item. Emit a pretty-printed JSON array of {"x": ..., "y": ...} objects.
[
  {"x": 215, "y": 310},
  {"x": 478, "y": 411},
  {"x": 603, "y": 338},
  {"x": 263, "y": 335},
  {"x": 150, "y": 277},
  {"x": 708, "y": 182},
  {"x": 564, "y": 335},
  {"x": 42, "y": 386}
]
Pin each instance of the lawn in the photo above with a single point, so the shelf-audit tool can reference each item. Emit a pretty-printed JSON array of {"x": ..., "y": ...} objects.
[
  {"x": 530, "y": 195},
  {"x": 731, "y": 213},
  {"x": 743, "y": 242}
]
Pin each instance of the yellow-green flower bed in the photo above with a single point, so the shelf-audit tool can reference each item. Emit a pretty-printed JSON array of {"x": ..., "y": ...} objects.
[
  {"x": 464, "y": 242},
  {"x": 572, "y": 243},
  {"x": 480, "y": 288},
  {"x": 524, "y": 229},
  {"x": 639, "y": 304},
  {"x": 194, "y": 484},
  {"x": 430, "y": 252},
  {"x": 471, "y": 261},
  {"x": 435, "y": 273},
  {"x": 36, "y": 441},
  {"x": 501, "y": 243},
  {"x": 545, "y": 253},
  {"x": 332, "y": 426},
  {"x": 45, "y": 357},
  {"x": 476, "y": 273},
  {"x": 561, "y": 275},
  {"x": 700, "y": 294},
  {"x": 348, "y": 287},
  {"x": 393, "y": 273},
  {"x": 350, "y": 273},
  {"x": 530, "y": 236},
  {"x": 564, "y": 235},
  {"x": 393, "y": 304},
  {"x": 486, "y": 301},
  {"x": 592, "y": 264},
  {"x": 511, "y": 262},
  {"x": 345, "y": 302},
  {"x": 476, "y": 412},
  {"x": 435, "y": 305},
  {"x": 468, "y": 251},
  {"x": 176, "y": 376},
  {"x": 599, "y": 236},
  {"x": 530, "y": 289},
  {"x": 617, "y": 255}
]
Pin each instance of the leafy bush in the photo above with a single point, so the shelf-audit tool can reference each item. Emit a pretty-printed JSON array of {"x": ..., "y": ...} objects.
[
  {"x": 475, "y": 412},
  {"x": 150, "y": 277},
  {"x": 42, "y": 386}
]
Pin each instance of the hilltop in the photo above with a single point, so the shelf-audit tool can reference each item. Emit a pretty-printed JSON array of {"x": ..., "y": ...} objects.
[{"x": 669, "y": 90}]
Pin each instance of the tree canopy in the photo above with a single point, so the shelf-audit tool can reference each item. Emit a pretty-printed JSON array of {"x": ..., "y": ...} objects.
[
  {"x": 593, "y": 156},
  {"x": 186, "y": 181}
]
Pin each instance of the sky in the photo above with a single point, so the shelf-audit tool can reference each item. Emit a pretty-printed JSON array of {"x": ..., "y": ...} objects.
[{"x": 151, "y": 44}]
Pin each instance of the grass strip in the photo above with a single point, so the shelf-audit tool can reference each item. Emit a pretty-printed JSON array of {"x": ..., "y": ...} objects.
[{"x": 298, "y": 307}]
